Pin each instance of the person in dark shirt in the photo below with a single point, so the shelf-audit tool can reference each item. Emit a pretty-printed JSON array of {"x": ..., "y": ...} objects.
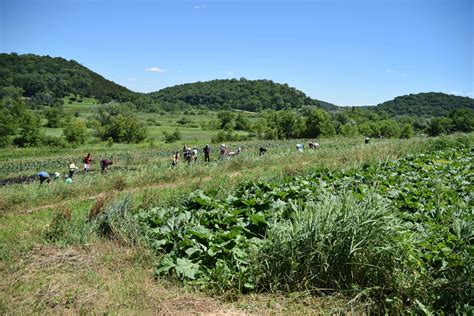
[
  {"x": 262, "y": 151},
  {"x": 104, "y": 165},
  {"x": 207, "y": 153}
]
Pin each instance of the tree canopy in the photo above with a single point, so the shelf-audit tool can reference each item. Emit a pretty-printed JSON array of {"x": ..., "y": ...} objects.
[
  {"x": 47, "y": 77},
  {"x": 430, "y": 104},
  {"x": 243, "y": 94}
]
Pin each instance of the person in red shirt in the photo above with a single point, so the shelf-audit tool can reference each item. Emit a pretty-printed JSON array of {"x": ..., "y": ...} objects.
[{"x": 87, "y": 162}]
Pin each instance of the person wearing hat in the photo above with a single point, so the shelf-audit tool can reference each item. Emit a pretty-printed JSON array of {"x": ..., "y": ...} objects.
[{"x": 72, "y": 170}]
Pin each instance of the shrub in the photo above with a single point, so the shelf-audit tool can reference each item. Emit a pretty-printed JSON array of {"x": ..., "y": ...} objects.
[
  {"x": 52, "y": 141},
  {"x": 172, "y": 137},
  {"x": 76, "y": 132},
  {"x": 60, "y": 225},
  {"x": 116, "y": 223}
]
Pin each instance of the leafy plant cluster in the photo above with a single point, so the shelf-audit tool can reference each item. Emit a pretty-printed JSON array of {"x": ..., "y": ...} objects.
[{"x": 401, "y": 232}]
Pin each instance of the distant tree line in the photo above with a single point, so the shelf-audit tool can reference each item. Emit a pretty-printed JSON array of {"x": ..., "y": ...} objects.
[
  {"x": 430, "y": 104},
  {"x": 349, "y": 122}
]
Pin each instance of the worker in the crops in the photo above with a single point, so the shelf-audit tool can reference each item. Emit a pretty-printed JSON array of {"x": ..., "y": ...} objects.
[
  {"x": 313, "y": 145},
  {"x": 223, "y": 151},
  {"x": 367, "y": 140},
  {"x": 300, "y": 147},
  {"x": 262, "y": 151},
  {"x": 187, "y": 155},
  {"x": 194, "y": 154},
  {"x": 175, "y": 160},
  {"x": 104, "y": 165},
  {"x": 207, "y": 153},
  {"x": 72, "y": 170},
  {"x": 43, "y": 176},
  {"x": 87, "y": 162}
]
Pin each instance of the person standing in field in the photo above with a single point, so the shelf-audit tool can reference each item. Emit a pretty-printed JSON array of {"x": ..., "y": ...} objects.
[
  {"x": 175, "y": 159},
  {"x": 195, "y": 154},
  {"x": 262, "y": 151},
  {"x": 104, "y": 165},
  {"x": 207, "y": 153},
  {"x": 87, "y": 162}
]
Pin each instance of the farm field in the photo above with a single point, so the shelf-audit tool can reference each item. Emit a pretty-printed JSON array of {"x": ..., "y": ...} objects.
[
  {"x": 194, "y": 126},
  {"x": 348, "y": 227}
]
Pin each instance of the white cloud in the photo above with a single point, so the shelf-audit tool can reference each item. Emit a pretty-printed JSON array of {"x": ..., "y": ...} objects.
[
  {"x": 154, "y": 69},
  {"x": 132, "y": 79},
  {"x": 200, "y": 6},
  {"x": 230, "y": 73}
]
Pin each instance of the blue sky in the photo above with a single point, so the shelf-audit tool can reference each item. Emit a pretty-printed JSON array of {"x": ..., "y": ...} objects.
[{"x": 353, "y": 52}]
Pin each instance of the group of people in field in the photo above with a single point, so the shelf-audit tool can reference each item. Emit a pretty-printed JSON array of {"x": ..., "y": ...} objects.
[
  {"x": 189, "y": 155},
  {"x": 44, "y": 176}
]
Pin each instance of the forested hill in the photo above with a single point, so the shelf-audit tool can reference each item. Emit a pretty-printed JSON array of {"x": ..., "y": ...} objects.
[
  {"x": 57, "y": 77},
  {"x": 430, "y": 104},
  {"x": 243, "y": 94}
]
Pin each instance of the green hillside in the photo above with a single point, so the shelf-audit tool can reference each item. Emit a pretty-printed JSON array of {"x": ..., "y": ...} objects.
[
  {"x": 57, "y": 77},
  {"x": 243, "y": 94},
  {"x": 430, "y": 104}
]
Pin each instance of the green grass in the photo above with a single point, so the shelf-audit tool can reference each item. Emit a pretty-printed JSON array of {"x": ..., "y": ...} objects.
[
  {"x": 142, "y": 167},
  {"x": 96, "y": 275}
]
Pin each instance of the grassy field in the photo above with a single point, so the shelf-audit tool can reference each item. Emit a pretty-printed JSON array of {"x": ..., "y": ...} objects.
[{"x": 85, "y": 272}]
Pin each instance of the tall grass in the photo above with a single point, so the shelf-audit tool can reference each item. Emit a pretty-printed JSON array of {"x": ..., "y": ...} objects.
[{"x": 338, "y": 244}]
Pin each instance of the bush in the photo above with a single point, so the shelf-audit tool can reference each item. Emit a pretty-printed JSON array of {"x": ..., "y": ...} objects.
[
  {"x": 52, "y": 141},
  {"x": 184, "y": 121},
  {"x": 76, "y": 132},
  {"x": 172, "y": 137},
  {"x": 116, "y": 223},
  {"x": 59, "y": 226}
]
